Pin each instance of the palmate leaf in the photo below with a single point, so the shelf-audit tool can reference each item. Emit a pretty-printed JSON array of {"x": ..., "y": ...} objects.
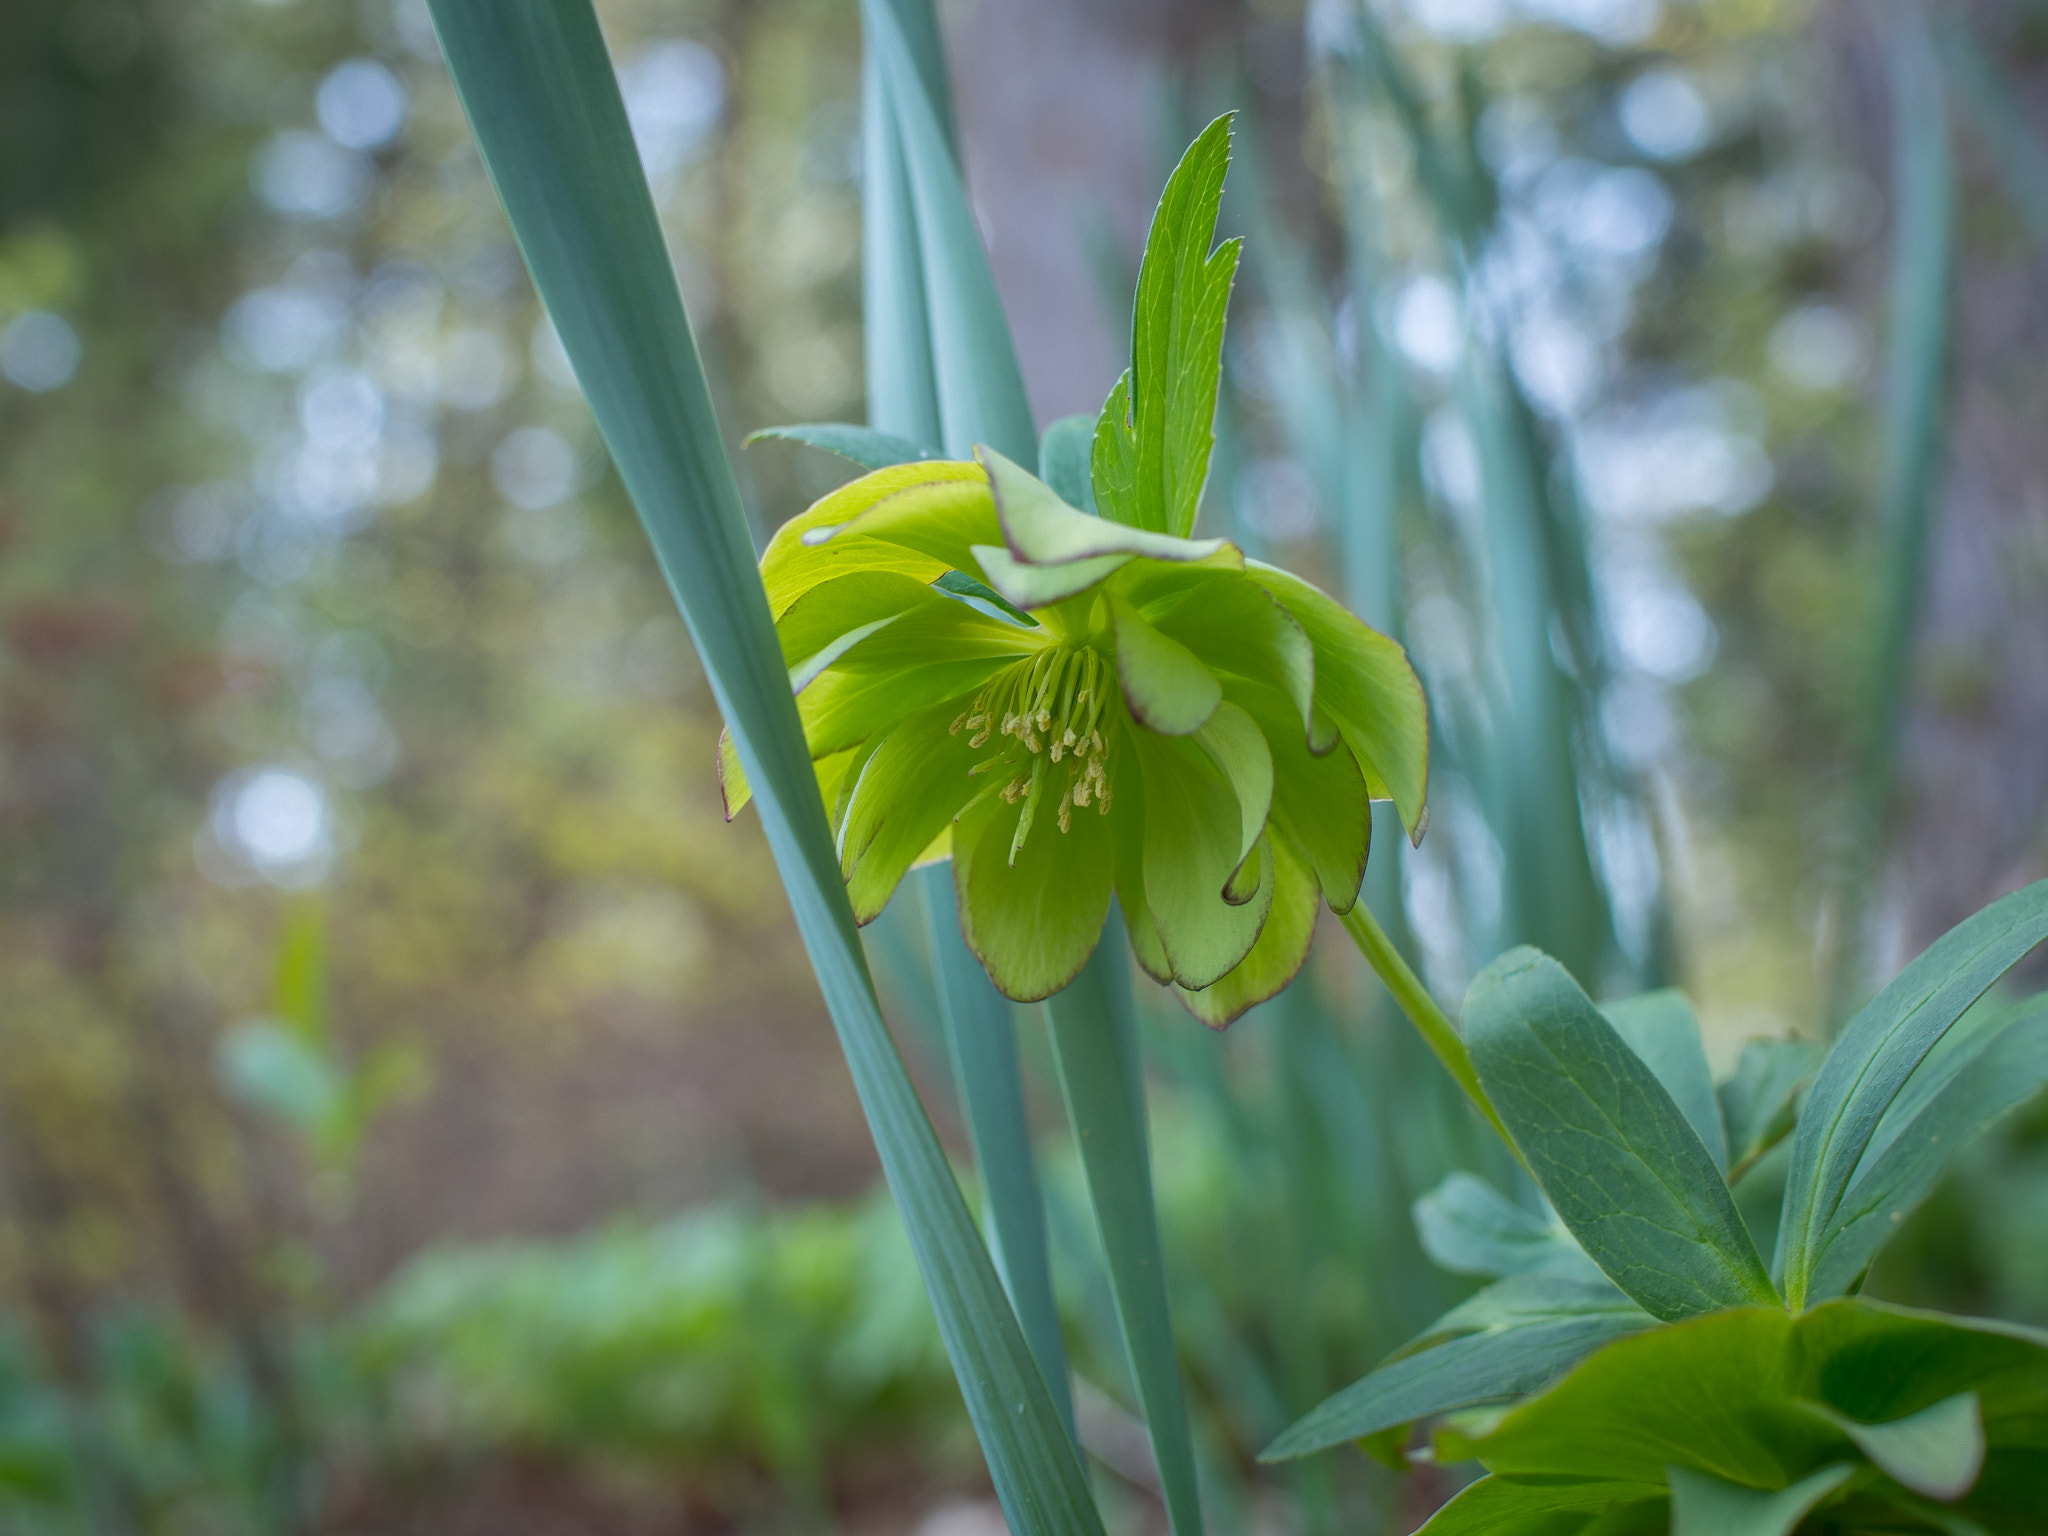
[
  {"x": 1152, "y": 463},
  {"x": 539, "y": 91},
  {"x": 1621, "y": 1165},
  {"x": 1876, "y": 1054}
]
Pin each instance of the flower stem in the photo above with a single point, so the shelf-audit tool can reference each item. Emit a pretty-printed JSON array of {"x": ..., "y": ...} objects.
[{"x": 1430, "y": 1021}]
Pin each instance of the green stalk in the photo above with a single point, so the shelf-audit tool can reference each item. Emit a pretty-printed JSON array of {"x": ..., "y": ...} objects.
[
  {"x": 1095, "y": 1045},
  {"x": 981, "y": 1041},
  {"x": 544, "y": 103},
  {"x": 947, "y": 379},
  {"x": 1430, "y": 1021},
  {"x": 1923, "y": 271}
]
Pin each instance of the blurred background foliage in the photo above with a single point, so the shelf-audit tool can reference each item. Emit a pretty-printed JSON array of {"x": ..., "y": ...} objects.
[{"x": 415, "y": 1109}]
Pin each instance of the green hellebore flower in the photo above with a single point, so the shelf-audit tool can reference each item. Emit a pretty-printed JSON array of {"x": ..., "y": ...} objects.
[{"x": 1072, "y": 707}]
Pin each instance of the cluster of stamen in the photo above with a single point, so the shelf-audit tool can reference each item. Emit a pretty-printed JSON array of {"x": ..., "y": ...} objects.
[{"x": 1057, "y": 707}]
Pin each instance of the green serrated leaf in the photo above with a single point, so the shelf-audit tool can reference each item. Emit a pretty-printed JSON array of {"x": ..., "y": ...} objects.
[
  {"x": 1621, "y": 1165},
  {"x": 1177, "y": 339}
]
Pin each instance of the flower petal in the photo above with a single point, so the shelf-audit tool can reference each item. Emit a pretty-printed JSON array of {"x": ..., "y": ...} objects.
[
  {"x": 1319, "y": 803},
  {"x": 788, "y": 560},
  {"x": 1191, "y": 850},
  {"x": 1032, "y": 924},
  {"x": 1237, "y": 747},
  {"x": 909, "y": 791},
  {"x": 835, "y": 608},
  {"x": 1167, "y": 689},
  {"x": 843, "y": 709},
  {"x": 1040, "y": 586},
  {"x": 1040, "y": 529},
  {"x": 1364, "y": 681},
  {"x": 939, "y": 628},
  {"x": 940, "y": 522},
  {"x": 1283, "y": 944},
  {"x": 1236, "y": 625},
  {"x": 1128, "y": 824}
]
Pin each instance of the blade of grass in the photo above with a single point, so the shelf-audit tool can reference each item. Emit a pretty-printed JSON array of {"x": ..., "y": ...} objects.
[
  {"x": 981, "y": 1038},
  {"x": 915, "y": 374},
  {"x": 978, "y": 390},
  {"x": 544, "y": 104},
  {"x": 1923, "y": 265},
  {"x": 1095, "y": 1047}
]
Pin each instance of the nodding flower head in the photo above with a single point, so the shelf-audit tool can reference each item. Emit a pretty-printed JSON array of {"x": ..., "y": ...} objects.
[{"x": 1072, "y": 708}]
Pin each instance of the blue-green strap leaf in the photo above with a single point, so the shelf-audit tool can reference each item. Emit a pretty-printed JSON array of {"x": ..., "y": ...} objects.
[
  {"x": 1095, "y": 1045},
  {"x": 981, "y": 1039},
  {"x": 858, "y": 445},
  {"x": 1487, "y": 1367},
  {"x": 540, "y": 93},
  {"x": 1621, "y": 1165},
  {"x": 979, "y": 390},
  {"x": 1877, "y": 1052}
]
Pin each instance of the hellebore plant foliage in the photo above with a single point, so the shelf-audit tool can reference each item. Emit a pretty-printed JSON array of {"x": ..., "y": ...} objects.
[
  {"x": 1720, "y": 1395},
  {"x": 1072, "y": 702}
]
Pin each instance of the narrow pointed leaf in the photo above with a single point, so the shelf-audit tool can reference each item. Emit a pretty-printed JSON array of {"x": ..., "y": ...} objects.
[
  {"x": 1702, "y": 1505},
  {"x": 1177, "y": 337},
  {"x": 1505, "y": 1506},
  {"x": 1102, "y": 1077},
  {"x": 1470, "y": 1228},
  {"x": 980, "y": 393},
  {"x": 539, "y": 91},
  {"x": 1938, "y": 1451},
  {"x": 857, "y": 445},
  {"x": 1620, "y": 1164},
  {"x": 1493, "y": 1366},
  {"x": 1063, "y": 451},
  {"x": 1661, "y": 1028},
  {"x": 1758, "y": 1103},
  {"x": 981, "y": 1041},
  {"x": 1877, "y": 1053},
  {"x": 2002, "y": 1071}
]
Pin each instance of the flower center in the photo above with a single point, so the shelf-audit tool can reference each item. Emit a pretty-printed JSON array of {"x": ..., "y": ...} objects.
[{"x": 1054, "y": 710}]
